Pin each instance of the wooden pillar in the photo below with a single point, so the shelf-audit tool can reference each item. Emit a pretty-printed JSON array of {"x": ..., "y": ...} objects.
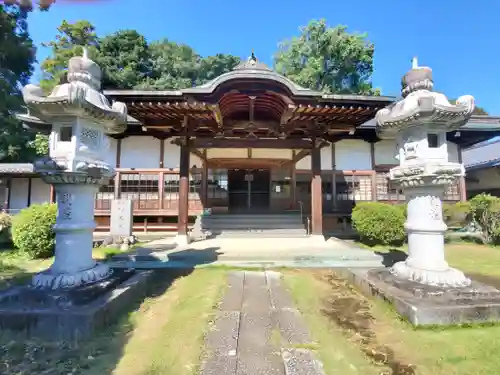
[
  {"x": 162, "y": 152},
  {"x": 334, "y": 178},
  {"x": 52, "y": 193},
  {"x": 6, "y": 202},
  {"x": 316, "y": 194},
  {"x": 462, "y": 188},
  {"x": 204, "y": 181},
  {"x": 293, "y": 182},
  {"x": 117, "y": 190},
  {"x": 30, "y": 187},
  {"x": 182, "y": 221},
  {"x": 374, "y": 174}
]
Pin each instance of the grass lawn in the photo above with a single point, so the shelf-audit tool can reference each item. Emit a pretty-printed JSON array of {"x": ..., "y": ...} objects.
[
  {"x": 374, "y": 340},
  {"x": 16, "y": 269},
  {"x": 163, "y": 335}
]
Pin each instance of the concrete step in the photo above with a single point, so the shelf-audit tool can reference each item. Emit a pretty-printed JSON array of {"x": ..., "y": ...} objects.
[{"x": 261, "y": 234}]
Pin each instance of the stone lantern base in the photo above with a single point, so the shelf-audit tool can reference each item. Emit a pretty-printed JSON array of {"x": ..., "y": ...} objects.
[{"x": 428, "y": 305}]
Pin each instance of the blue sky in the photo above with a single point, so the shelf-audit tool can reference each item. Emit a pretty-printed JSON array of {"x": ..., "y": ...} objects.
[{"x": 458, "y": 39}]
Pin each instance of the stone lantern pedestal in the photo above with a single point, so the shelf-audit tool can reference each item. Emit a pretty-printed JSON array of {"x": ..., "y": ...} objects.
[
  {"x": 76, "y": 295},
  {"x": 424, "y": 288}
]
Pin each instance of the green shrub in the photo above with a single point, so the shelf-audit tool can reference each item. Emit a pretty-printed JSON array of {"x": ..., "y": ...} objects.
[
  {"x": 485, "y": 210},
  {"x": 32, "y": 232},
  {"x": 457, "y": 214},
  {"x": 5, "y": 225},
  {"x": 379, "y": 223}
]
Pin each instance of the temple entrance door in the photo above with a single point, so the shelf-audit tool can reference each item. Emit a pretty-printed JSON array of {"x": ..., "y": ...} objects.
[{"x": 249, "y": 189}]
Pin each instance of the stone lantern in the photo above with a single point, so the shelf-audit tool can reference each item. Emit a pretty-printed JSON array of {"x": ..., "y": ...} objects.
[
  {"x": 79, "y": 118},
  {"x": 419, "y": 123}
]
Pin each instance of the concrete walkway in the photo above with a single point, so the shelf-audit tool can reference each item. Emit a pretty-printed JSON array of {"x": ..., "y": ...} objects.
[
  {"x": 306, "y": 252},
  {"x": 258, "y": 331}
]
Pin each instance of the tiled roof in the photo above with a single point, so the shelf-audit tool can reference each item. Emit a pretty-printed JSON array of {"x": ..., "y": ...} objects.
[
  {"x": 17, "y": 168},
  {"x": 486, "y": 154}
]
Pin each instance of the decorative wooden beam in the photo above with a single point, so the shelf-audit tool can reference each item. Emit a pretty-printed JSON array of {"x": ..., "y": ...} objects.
[
  {"x": 287, "y": 114},
  {"x": 218, "y": 116},
  {"x": 198, "y": 153},
  {"x": 246, "y": 143},
  {"x": 300, "y": 155},
  {"x": 251, "y": 108}
]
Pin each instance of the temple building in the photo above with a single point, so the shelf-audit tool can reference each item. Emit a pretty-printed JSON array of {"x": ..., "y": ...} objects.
[{"x": 249, "y": 141}]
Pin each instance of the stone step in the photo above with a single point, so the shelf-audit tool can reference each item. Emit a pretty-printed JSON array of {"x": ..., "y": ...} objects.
[{"x": 267, "y": 263}]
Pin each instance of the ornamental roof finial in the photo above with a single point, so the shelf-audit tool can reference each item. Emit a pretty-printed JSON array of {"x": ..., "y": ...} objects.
[
  {"x": 85, "y": 54},
  {"x": 253, "y": 57},
  {"x": 414, "y": 63}
]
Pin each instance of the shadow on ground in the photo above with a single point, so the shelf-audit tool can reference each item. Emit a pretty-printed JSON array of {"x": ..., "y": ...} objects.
[
  {"x": 32, "y": 356},
  {"x": 389, "y": 258}
]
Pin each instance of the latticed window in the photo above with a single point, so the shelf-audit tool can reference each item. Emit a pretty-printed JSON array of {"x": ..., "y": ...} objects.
[
  {"x": 386, "y": 190},
  {"x": 217, "y": 183},
  {"x": 105, "y": 195},
  {"x": 353, "y": 188},
  {"x": 195, "y": 179},
  {"x": 452, "y": 193},
  {"x": 139, "y": 186}
]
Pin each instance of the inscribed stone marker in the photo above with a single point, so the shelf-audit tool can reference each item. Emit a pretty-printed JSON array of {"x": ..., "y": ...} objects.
[{"x": 121, "y": 217}]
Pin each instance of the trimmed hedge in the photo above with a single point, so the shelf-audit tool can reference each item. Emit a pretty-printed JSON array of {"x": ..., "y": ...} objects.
[
  {"x": 32, "y": 232},
  {"x": 379, "y": 223}
]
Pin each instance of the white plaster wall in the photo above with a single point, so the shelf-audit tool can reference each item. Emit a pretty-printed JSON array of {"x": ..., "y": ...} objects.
[
  {"x": 453, "y": 152},
  {"x": 140, "y": 152},
  {"x": 171, "y": 155},
  {"x": 40, "y": 191},
  {"x": 326, "y": 160},
  {"x": 110, "y": 154},
  {"x": 18, "y": 194},
  {"x": 352, "y": 154},
  {"x": 385, "y": 152}
]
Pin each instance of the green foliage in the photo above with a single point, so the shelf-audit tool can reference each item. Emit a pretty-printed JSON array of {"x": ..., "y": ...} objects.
[
  {"x": 457, "y": 214},
  {"x": 128, "y": 61},
  {"x": 68, "y": 43},
  {"x": 125, "y": 59},
  {"x": 16, "y": 66},
  {"x": 379, "y": 223},
  {"x": 5, "y": 225},
  {"x": 327, "y": 59},
  {"x": 485, "y": 210},
  {"x": 32, "y": 232}
]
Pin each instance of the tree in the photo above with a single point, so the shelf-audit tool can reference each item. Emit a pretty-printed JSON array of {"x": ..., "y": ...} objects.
[
  {"x": 211, "y": 67},
  {"x": 328, "y": 59},
  {"x": 68, "y": 43},
  {"x": 16, "y": 66},
  {"x": 178, "y": 66},
  {"x": 125, "y": 59}
]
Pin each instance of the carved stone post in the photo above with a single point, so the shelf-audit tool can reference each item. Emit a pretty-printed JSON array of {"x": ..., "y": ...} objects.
[
  {"x": 419, "y": 123},
  {"x": 79, "y": 118}
]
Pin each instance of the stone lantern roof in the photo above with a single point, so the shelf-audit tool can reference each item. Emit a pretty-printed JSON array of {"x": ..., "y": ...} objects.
[
  {"x": 421, "y": 105},
  {"x": 78, "y": 97}
]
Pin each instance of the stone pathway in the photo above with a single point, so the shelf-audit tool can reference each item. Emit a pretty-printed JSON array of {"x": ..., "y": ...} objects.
[{"x": 258, "y": 331}]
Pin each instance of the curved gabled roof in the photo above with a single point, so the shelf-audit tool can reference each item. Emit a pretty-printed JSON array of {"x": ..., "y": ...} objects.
[{"x": 252, "y": 69}]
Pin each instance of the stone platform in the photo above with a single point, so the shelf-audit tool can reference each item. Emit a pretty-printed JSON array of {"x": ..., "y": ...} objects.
[
  {"x": 72, "y": 314},
  {"x": 424, "y": 305},
  {"x": 306, "y": 252}
]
